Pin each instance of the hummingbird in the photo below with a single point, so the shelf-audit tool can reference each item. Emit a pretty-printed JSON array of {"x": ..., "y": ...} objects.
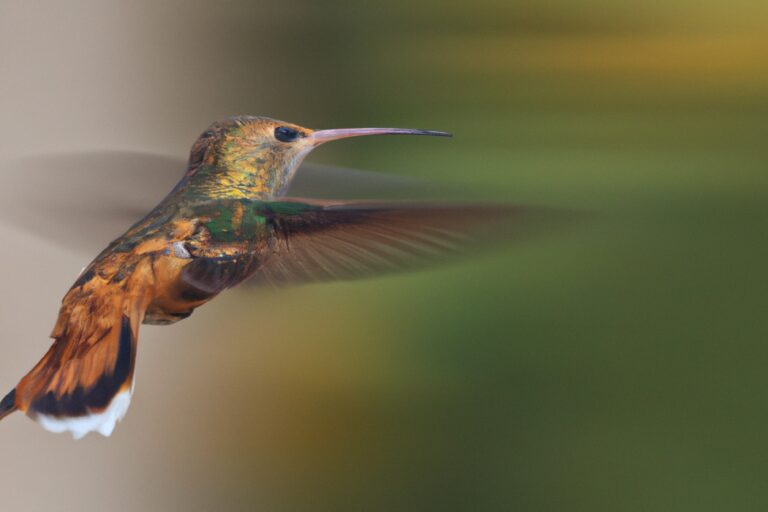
[{"x": 227, "y": 221}]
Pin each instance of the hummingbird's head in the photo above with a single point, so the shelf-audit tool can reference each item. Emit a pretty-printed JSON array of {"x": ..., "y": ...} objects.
[{"x": 257, "y": 156}]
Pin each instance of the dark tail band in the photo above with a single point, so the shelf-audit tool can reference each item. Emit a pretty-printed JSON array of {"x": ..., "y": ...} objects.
[{"x": 8, "y": 404}]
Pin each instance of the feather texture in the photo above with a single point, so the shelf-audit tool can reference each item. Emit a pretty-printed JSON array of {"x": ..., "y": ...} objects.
[{"x": 291, "y": 242}]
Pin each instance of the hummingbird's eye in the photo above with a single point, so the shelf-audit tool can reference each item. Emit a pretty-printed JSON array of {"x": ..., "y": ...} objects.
[{"x": 285, "y": 134}]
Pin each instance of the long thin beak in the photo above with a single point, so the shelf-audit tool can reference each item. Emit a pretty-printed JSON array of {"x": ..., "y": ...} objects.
[{"x": 322, "y": 136}]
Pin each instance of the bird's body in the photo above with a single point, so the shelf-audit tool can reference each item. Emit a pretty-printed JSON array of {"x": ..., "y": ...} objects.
[{"x": 224, "y": 222}]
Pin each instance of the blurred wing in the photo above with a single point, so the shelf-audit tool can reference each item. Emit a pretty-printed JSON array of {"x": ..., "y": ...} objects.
[
  {"x": 341, "y": 241},
  {"x": 325, "y": 181},
  {"x": 83, "y": 200}
]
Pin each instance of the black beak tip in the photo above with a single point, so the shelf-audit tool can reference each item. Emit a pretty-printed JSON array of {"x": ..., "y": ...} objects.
[{"x": 436, "y": 133}]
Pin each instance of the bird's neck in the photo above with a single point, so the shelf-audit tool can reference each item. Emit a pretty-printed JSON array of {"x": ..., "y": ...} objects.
[
  {"x": 231, "y": 184},
  {"x": 240, "y": 178}
]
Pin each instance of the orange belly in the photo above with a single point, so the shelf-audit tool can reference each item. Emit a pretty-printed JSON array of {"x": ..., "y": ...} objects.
[{"x": 173, "y": 300}]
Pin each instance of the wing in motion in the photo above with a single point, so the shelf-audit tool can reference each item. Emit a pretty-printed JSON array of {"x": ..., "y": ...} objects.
[
  {"x": 301, "y": 241},
  {"x": 109, "y": 190}
]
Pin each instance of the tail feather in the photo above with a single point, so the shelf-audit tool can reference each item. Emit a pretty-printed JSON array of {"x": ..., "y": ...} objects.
[
  {"x": 57, "y": 394},
  {"x": 83, "y": 383},
  {"x": 8, "y": 404}
]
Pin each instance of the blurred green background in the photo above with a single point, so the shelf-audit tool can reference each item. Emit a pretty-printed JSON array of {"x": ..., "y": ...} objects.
[{"x": 616, "y": 365}]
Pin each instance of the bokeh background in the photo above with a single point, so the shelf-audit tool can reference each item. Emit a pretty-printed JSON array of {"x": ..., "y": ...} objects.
[{"x": 617, "y": 365}]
